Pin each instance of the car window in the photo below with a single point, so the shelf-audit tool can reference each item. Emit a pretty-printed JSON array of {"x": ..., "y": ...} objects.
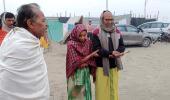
[
  {"x": 131, "y": 29},
  {"x": 156, "y": 25},
  {"x": 121, "y": 28},
  {"x": 165, "y": 25},
  {"x": 145, "y": 26}
]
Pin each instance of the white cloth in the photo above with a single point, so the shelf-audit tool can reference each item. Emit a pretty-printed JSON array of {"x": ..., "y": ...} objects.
[
  {"x": 23, "y": 71},
  {"x": 4, "y": 25}
]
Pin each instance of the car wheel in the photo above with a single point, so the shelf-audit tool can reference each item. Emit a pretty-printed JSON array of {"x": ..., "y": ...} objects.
[{"x": 146, "y": 42}]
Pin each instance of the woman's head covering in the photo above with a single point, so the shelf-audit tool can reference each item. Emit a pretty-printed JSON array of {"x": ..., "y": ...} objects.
[{"x": 76, "y": 32}]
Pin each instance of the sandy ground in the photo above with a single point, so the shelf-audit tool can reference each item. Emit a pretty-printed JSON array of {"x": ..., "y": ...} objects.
[{"x": 146, "y": 74}]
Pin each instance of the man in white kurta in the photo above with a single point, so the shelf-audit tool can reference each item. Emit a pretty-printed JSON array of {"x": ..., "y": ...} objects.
[{"x": 23, "y": 71}]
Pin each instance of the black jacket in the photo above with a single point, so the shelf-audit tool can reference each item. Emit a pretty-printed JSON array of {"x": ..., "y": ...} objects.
[{"x": 105, "y": 53}]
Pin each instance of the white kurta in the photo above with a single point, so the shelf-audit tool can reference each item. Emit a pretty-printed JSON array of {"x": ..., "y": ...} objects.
[{"x": 23, "y": 71}]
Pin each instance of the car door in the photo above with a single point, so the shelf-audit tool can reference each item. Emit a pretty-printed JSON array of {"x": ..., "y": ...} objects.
[
  {"x": 133, "y": 36},
  {"x": 155, "y": 27},
  {"x": 145, "y": 27},
  {"x": 123, "y": 31}
]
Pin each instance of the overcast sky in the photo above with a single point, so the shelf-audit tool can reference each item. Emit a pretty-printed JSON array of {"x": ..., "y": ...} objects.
[{"x": 95, "y": 7}]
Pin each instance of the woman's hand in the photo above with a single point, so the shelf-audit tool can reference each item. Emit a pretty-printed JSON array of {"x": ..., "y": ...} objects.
[
  {"x": 84, "y": 60},
  {"x": 116, "y": 54},
  {"x": 119, "y": 54},
  {"x": 83, "y": 65},
  {"x": 94, "y": 54},
  {"x": 111, "y": 56}
]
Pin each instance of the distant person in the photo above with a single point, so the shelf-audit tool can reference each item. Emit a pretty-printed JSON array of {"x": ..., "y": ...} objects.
[
  {"x": 44, "y": 42},
  {"x": 111, "y": 48},
  {"x": 23, "y": 71},
  {"x": 79, "y": 63},
  {"x": 90, "y": 29},
  {"x": 7, "y": 23}
]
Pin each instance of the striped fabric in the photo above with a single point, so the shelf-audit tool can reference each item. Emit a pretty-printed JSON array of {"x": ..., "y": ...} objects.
[{"x": 79, "y": 87}]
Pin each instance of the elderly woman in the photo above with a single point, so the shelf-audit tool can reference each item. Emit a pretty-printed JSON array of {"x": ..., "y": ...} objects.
[{"x": 111, "y": 47}]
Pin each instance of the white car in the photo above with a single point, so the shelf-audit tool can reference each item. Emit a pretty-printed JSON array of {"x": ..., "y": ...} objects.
[{"x": 155, "y": 28}]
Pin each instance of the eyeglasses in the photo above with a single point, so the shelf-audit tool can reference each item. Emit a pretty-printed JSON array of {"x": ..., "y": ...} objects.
[{"x": 108, "y": 19}]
